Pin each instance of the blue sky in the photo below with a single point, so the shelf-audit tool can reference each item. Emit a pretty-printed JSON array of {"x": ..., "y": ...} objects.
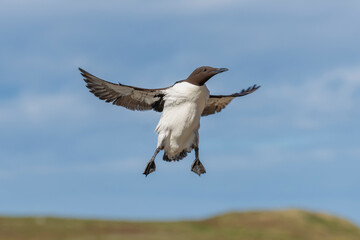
[{"x": 295, "y": 143}]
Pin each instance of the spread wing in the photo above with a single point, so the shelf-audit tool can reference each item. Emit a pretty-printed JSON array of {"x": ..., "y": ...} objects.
[
  {"x": 216, "y": 103},
  {"x": 132, "y": 98}
]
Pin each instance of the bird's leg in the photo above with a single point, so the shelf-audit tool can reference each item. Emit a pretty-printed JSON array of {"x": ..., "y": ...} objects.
[
  {"x": 150, "y": 166},
  {"x": 197, "y": 166}
]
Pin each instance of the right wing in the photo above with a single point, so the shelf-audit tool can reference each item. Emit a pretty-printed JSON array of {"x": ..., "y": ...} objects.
[
  {"x": 216, "y": 103},
  {"x": 132, "y": 98}
]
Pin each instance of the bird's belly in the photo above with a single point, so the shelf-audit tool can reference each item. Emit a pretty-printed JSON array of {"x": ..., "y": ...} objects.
[
  {"x": 178, "y": 127},
  {"x": 180, "y": 119}
]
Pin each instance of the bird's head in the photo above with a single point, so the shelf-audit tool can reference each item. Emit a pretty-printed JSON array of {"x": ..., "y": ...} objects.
[{"x": 200, "y": 75}]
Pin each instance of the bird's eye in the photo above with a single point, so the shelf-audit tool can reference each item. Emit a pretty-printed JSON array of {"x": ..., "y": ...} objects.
[{"x": 204, "y": 69}]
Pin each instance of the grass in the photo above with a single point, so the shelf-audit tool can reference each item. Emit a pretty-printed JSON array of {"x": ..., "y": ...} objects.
[{"x": 255, "y": 225}]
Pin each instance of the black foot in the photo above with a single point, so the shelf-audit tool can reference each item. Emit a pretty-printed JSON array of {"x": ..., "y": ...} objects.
[
  {"x": 150, "y": 167},
  {"x": 197, "y": 167}
]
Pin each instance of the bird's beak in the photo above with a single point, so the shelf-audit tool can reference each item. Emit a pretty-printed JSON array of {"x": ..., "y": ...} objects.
[{"x": 219, "y": 70}]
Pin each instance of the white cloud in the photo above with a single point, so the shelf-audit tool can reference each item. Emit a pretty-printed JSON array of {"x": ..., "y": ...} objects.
[
  {"x": 52, "y": 164},
  {"x": 140, "y": 7},
  {"x": 106, "y": 166},
  {"x": 333, "y": 92},
  {"x": 331, "y": 97},
  {"x": 270, "y": 155},
  {"x": 163, "y": 7},
  {"x": 319, "y": 101},
  {"x": 32, "y": 108},
  {"x": 66, "y": 109}
]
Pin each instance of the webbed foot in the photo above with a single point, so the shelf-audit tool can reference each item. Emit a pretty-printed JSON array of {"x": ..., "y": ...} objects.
[
  {"x": 197, "y": 167},
  {"x": 150, "y": 167}
]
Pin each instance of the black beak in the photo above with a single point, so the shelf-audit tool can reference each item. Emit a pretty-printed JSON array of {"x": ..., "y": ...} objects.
[{"x": 219, "y": 70}]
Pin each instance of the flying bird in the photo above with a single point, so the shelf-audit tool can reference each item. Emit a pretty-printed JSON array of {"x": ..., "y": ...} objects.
[{"x": 181, "y": 104}]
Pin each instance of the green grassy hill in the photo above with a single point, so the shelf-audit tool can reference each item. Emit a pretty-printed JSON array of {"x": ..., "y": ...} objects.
[{"x": 256, "y": 225}]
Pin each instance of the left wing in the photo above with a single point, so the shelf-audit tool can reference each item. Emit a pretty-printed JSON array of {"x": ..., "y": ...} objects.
[
  {"x": 216, "y": 103},
  {"x": 133, "y": 98}
]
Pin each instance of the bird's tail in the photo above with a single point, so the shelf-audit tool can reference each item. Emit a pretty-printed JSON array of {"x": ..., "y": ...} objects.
[{"x": 175, "y": 158}]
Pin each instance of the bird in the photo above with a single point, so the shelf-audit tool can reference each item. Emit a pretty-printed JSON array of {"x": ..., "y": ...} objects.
[{"x": 182, "y": 105}]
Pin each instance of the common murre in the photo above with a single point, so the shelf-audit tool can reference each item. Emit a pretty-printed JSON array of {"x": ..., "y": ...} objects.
[{"x": 181, "y": 104}]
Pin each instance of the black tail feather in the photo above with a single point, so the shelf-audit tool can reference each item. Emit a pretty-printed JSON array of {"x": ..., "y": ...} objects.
[{"x": 176, "y": 158}]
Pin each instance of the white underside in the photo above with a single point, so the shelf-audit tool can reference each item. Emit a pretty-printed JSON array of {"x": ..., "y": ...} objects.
[{"x": 180, "y": 120}]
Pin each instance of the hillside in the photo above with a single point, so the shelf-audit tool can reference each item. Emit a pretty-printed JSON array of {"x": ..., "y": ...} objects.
[{"x": 256, "y": 225}]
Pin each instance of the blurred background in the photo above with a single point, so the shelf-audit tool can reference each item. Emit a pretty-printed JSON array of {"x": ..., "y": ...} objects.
[{"x": 295, "y": 143}]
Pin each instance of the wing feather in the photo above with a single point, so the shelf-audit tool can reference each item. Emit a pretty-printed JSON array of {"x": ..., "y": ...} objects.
[
  {"x": 216, "y": 103},
  {"x": 132, "y": 98}
]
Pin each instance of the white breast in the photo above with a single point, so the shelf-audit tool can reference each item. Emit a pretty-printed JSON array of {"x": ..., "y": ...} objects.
[{"x": 180, "y": 120}]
